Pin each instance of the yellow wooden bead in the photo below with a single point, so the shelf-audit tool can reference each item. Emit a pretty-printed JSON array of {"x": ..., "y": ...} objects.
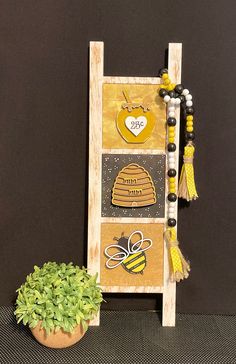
[
  {"x": 189, "y": 118},
  {"x": 189, "y": 123},
  {"x": 189, "y": 128},
  {"x": 171, "y": 134},
  {"x": 172, "y": 179},
  {"x": 171, "y": 128},
  {"x": 165, "y": 76},
  {"x": 167, "y": 81},
  {"x": 171, "y": 190},
  {"x": 171, "y": 139},
  {"x": 162, "y": 86},
  {"x": 170, "y": 87}
]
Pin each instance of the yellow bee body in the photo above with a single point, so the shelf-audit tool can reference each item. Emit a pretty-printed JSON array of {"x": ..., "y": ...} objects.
[{"x": 135, "y": 263}]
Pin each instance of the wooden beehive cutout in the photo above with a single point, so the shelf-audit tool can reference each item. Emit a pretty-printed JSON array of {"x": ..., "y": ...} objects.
[{"x": 133, "y": 187}]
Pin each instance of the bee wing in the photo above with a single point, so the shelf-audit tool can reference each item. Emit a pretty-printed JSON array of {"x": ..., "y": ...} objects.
[
  {"x": 120, "y": 256},
  {"x": 148, "y": 246},
  {"x": 137, "y": 246},
  {"x": 130, "y": 245}
]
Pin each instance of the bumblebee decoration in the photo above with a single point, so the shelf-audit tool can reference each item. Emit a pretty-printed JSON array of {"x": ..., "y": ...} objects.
[{"x": 130, "y": 255}]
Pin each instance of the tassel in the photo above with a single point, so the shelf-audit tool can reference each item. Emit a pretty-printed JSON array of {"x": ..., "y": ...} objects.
[
  {"x": 187, "y": 188},
  {"x": 178, "y": 265}
]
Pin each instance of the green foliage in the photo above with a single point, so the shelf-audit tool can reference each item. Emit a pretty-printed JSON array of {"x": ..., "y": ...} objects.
[{"x": 59, "y": 295}]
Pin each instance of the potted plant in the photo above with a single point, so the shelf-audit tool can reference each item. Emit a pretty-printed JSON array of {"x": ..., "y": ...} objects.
[{"x": 57, "y": 301}]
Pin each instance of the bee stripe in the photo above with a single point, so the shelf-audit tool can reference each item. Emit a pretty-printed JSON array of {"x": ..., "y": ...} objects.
[
  {"x": 140, "y": 268},
  {"x": 135, "y": 262},
  {"x": 131, "y": 257}
]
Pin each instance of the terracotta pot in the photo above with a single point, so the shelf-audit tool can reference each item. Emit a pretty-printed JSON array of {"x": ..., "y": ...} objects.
[{"x": 59, "y": 339}]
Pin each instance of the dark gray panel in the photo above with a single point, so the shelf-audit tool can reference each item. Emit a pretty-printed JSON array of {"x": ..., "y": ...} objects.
[{"x": 113, "y": 164}]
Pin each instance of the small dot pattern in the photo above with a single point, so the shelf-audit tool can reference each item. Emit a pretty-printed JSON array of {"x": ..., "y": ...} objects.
[
  {"x": 189, "y": 152},
  {"x": 128, "y": 337},
  {"x": 176, "y": 261}
]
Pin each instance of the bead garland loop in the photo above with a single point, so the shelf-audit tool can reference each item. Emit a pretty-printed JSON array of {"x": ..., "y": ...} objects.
[{"x": 175, "y": 95}]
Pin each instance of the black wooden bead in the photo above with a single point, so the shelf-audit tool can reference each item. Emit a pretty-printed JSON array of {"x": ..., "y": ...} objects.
[
  {"x": 171, "y": 121},
  {"x": 171, "y": 173},
  {"x": 171, "y": 147},
  {"x": 172, "y": 197},
  {"x": 162, "y": 71},
  {"x": 190, "y": 110},
  {"x": 163, "y": 92},
  {"x": 179, "y": 88},
  {"x": 189, "y": 135},
  {"x": 171, "y": 93},
  {"x": 171, "y": 222},
  {"x": 182, "y": 98}
]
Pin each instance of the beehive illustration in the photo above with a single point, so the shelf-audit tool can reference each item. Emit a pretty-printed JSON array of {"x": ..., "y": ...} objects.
[{"x": 133, "y": 187}]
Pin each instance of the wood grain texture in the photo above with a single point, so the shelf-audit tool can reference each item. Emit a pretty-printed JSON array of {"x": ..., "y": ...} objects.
[
  {"x": 134, "y": 151},
  {"x": 169, "y": 293},
  {"x": 95, "y": 140},
  {"x": 135, "y": 220},
  {"x": 132, "y": 289},
  {"x": 95, "y": 149},
  {"x": 132, "y": 80}
]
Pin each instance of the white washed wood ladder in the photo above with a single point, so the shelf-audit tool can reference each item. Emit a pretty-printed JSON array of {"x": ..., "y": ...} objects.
[{"x": 95, "y": 219}]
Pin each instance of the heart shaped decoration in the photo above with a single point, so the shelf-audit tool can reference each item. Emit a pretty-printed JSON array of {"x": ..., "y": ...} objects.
[{"x": 136, "y": 125}]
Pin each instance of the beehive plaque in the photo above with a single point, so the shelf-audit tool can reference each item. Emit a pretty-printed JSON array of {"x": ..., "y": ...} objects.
[{"x": 133, "y": 185}]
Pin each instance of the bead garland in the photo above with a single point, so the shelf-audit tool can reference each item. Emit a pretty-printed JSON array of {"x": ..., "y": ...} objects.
[{"x": 174, "y": 95}]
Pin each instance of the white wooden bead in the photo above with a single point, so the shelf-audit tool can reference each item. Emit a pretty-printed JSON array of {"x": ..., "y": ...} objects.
[
  {"x": 189, "y": 103},
  {"x": 171, "y": 160},
  {"x": 171, "y": 165},
  {"x": 171, "y": 210},
  {"x": 171, "y": 108},
  {"x": 167, "y": 98},
  {"x": 171, "y": 215},
  {"x": 177, "y": 101},
  {"x": 172, "y": 204},
  {"x": 172, "y": 100},
  {"x": 188, "y": 97},
  {"x": 185, "y": 92},
  {"x": 171, "y": 114},
  {"x": 171, "y": 154}
]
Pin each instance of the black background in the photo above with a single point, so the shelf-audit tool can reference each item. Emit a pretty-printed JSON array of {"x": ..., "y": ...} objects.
[{"x": 44, "y": 132}]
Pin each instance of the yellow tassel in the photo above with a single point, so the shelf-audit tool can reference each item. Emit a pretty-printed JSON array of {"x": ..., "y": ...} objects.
[
  {"x": 179, "y": 267},
  {"x": 187, "y": 188}
]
